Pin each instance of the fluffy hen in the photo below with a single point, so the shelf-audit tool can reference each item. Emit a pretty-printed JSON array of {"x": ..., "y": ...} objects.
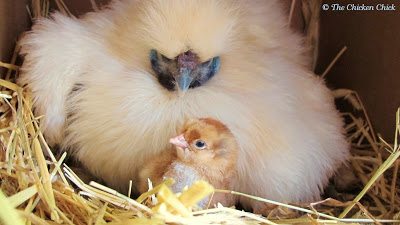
[{"x": 116, "y": 84}]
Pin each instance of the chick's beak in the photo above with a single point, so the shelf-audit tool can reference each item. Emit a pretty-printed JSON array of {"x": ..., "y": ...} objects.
[{"x": 179, "y": 141}]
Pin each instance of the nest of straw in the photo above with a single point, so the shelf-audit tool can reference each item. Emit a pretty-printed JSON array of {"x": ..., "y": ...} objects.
[{"x": 37, "y": 188}]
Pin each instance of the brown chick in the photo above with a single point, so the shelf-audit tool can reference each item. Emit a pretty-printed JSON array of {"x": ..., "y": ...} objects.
[{"x": 206, "y": 150}]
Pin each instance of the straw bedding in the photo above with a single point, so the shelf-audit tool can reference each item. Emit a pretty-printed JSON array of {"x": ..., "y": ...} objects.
[{"x": 37, "y": 188}]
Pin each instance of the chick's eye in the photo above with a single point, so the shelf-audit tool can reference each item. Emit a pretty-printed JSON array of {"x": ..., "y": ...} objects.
[{"x": 200, "y": 144}]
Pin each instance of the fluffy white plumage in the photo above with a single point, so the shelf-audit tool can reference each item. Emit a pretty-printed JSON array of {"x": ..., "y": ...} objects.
[{"x": 281, "y": 114}]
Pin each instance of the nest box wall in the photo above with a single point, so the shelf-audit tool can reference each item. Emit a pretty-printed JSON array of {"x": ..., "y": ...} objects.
[
  {"x": 371, "y": 63},
  {"x": 370, "y": 66},
  {"x": 14, "y": 20}
]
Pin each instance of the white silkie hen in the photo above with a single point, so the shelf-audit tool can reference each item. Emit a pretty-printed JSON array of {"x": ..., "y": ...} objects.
[{"x": 116, "y": 84}]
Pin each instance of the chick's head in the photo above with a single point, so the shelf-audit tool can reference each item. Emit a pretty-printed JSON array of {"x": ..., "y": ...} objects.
[{"x": 205, "y": 140}]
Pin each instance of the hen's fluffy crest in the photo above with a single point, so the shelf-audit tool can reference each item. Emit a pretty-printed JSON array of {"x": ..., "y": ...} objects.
[{"x": 119, "y": 116}]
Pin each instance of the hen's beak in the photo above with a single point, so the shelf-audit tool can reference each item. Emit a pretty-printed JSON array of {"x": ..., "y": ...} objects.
[
  {"x": 179, "y": 141},
  {"x": 187, "y": 62},
  {"x": 184, "y": 79}
]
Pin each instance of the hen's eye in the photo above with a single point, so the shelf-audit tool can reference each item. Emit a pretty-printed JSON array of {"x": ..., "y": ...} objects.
[{"x": 200, "y": 144}]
